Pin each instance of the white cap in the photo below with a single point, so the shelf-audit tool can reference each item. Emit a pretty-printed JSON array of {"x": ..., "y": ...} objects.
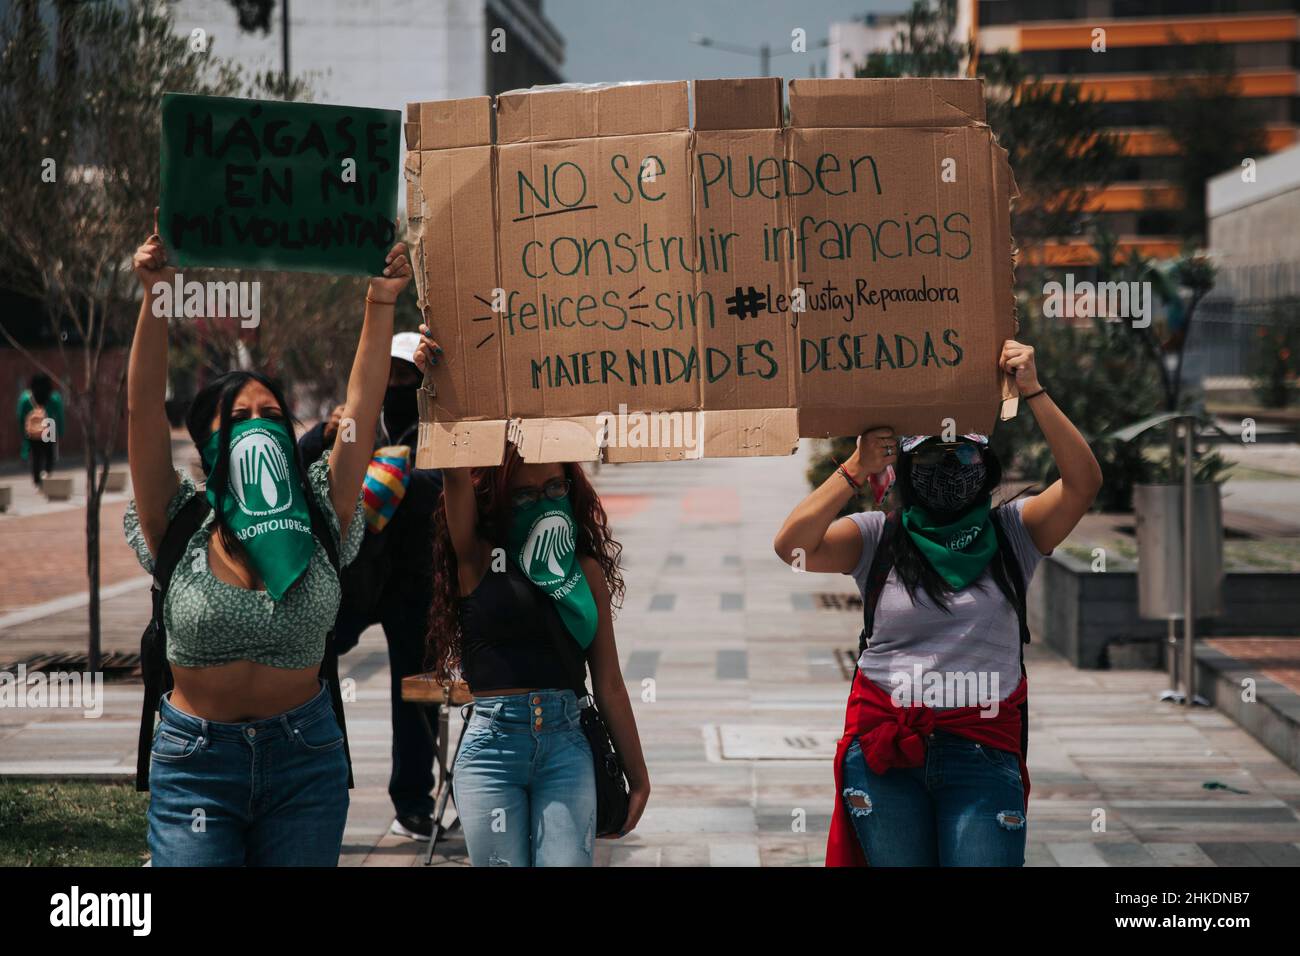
[{"x": 404, "y": 346}]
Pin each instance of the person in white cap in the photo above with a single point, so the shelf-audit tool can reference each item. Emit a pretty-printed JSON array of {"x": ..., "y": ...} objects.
[
  {"x": 389, "y": 584},
  {"x": 931, "y": 768}
]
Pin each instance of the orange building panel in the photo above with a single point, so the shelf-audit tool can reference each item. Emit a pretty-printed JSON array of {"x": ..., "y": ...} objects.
[
  {"x": 1130, "y": 197},
  {"x": 1163, "y": 32},
  {"x": 1130, "y": 87},
  {"x": 1082, "y": 254},
  {"x": 1155, "y": 142}
]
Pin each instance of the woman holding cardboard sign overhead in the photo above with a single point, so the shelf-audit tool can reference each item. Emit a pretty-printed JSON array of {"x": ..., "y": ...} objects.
[
  {"x": 931, "y": 768},
  {"x": 525, "y": 580},
  {"x": 249, "y": 762}
]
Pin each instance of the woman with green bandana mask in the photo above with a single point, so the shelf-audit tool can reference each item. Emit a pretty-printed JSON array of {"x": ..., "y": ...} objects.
[
  {"x": 930, "y": 770},
  {"x": 526, "y": 578},
  {"x": 252, "y": 729}
]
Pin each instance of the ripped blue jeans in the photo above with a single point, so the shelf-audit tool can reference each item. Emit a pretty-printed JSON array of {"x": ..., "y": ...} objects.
[
  {"x": 965, "y": 806},
  {"x": 524, "y": 782}
]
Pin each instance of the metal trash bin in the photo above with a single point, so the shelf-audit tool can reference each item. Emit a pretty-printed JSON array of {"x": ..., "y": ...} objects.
[{"x": 1158, "y": 510}]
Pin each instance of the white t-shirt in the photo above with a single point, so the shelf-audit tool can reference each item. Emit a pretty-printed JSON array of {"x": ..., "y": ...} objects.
[{"x": 965, "y": 656}]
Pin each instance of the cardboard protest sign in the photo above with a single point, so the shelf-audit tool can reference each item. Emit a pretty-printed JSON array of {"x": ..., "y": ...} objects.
[
  {"x": 274, "y": 185},
  {"x": 603, "y": 274}
]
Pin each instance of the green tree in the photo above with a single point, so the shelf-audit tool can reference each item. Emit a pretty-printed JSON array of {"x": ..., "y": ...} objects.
[
  {"x": 926, "y": 44},
  {"x": 1213, "y": 126},
  {"x": 79, "y": 135}
]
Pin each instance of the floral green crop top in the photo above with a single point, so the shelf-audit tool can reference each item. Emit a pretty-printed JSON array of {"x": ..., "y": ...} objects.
[{"x": 210, "y": 622}]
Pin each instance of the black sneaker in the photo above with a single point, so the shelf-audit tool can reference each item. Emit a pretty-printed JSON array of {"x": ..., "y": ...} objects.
[{"x": 414, "y": 826}]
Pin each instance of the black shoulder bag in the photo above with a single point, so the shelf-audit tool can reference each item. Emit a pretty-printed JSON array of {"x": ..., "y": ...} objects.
[{"x": 611, "y": 779}]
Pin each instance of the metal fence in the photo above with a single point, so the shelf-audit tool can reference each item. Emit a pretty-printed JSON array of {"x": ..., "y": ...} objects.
[
  {"x": 1246, "y": 303},
  {"x": 1225, "y": 339}
]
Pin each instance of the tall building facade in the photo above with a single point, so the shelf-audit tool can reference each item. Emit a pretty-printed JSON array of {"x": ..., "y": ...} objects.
[{"x": 1146, "y": 40}]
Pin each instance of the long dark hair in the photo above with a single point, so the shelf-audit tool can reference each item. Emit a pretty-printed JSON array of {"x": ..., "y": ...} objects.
[
  {"x": 492, "y": 493},
  {"x": 218, "y": 398},
  {"x": 914, "y": 570}
]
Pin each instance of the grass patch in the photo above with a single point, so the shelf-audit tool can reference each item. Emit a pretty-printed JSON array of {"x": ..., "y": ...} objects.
[
  {"x": 1238, "y": 472},
  {"x": 71, "y": 823}
]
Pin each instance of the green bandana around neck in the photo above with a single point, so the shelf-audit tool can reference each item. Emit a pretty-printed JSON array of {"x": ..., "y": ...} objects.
[
  {"x": 264, "y": 505},
  {"x": 959, "y": 551},
  {"x": 543, "y": 539}
]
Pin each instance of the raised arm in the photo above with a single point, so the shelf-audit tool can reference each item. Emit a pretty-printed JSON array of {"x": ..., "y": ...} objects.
[
  {"x": 610, "y": 691},
  {"x": 366, "y": 385},
  {"x": 148, "y": 434},
  {"x": 459, "y": 501},
  {"x": 1051, "y": 516},
  {"x": 811, "y": 538}
]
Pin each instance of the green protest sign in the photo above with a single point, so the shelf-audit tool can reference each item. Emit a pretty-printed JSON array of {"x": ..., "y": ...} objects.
[{"x": 264, "y": 184}]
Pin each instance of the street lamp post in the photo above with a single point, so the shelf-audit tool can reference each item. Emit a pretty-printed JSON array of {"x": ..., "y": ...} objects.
[
  {"x": 284, "y": 45},
  {"x": 1160, "y": 605},
  {"x": 764, "y": 52}
]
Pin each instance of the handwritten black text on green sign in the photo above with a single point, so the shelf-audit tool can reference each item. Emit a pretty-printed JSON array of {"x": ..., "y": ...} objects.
[{"x": 272, "y": 185}]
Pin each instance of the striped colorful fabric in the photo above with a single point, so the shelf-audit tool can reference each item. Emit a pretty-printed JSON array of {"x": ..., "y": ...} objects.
[{"x": 387, "y": 477}]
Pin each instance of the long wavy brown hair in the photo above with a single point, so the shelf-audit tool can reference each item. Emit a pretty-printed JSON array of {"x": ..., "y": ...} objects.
[{"x": 492, "y": 492}]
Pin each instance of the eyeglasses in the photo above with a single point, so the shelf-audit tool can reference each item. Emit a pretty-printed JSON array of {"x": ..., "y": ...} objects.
[
  {"x": 554, "y": 489},
  {"x": 965, "y": 452}
]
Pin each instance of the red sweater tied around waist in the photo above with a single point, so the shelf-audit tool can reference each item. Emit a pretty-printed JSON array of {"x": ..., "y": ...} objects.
[{"x": 892, "y": 736}]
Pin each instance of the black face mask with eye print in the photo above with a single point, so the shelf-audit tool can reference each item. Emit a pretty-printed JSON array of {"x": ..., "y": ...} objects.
[{"x": 948, "y": 488}]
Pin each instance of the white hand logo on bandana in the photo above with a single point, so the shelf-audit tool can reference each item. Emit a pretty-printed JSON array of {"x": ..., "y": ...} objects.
[
  {"x": 549, "y": 540},
  {"x": 258, "y": 463}
]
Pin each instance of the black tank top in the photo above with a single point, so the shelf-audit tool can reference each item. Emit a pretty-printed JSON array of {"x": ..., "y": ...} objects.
[{"x": 507, "y": 626}]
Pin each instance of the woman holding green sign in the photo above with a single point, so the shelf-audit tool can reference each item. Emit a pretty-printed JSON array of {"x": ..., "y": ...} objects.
[
  {"x": 526, "y": 577},
  {"x": 248, "y": 764},
  {"x": 931, "y": 768}
]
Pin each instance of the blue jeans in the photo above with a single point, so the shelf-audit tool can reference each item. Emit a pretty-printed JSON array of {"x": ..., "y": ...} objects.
[
  {"x": 965, "y": 806},
  {"x": 524, "y": 782},
  {"x": 270, "y": 792}
]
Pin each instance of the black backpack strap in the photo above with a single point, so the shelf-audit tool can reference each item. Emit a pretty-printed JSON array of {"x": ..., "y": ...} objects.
[
  {"x": 320, "y": 529},
  {"x": 1010, "y": 568},
  {"x": 329, "y": 665},
  {"x": 882, "y": 562},
  {"x": 153, "y": 644}
]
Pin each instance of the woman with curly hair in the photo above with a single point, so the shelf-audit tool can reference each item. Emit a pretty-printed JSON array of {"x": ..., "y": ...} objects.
[{"x": 525, "y": 578}]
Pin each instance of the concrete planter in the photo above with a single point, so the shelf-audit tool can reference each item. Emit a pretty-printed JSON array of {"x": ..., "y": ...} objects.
[
  {"x": 1091, "y": 618},
  {"x": 116, "y": 481},
  {"x": 57, "y": 489}
]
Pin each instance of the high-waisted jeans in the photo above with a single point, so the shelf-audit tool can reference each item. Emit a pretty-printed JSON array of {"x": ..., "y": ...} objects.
[
  {"x": 270, "y": 792},
  {"x": 524, "y": 782},
  {"x": 964, "y": 806}
]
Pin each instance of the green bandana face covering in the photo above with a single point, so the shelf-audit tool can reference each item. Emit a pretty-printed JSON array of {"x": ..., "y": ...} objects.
[
  {"x": 542, "y": 542},
  {"x": 265, "y": 505},
  {"x": 959, "y": 551}
]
